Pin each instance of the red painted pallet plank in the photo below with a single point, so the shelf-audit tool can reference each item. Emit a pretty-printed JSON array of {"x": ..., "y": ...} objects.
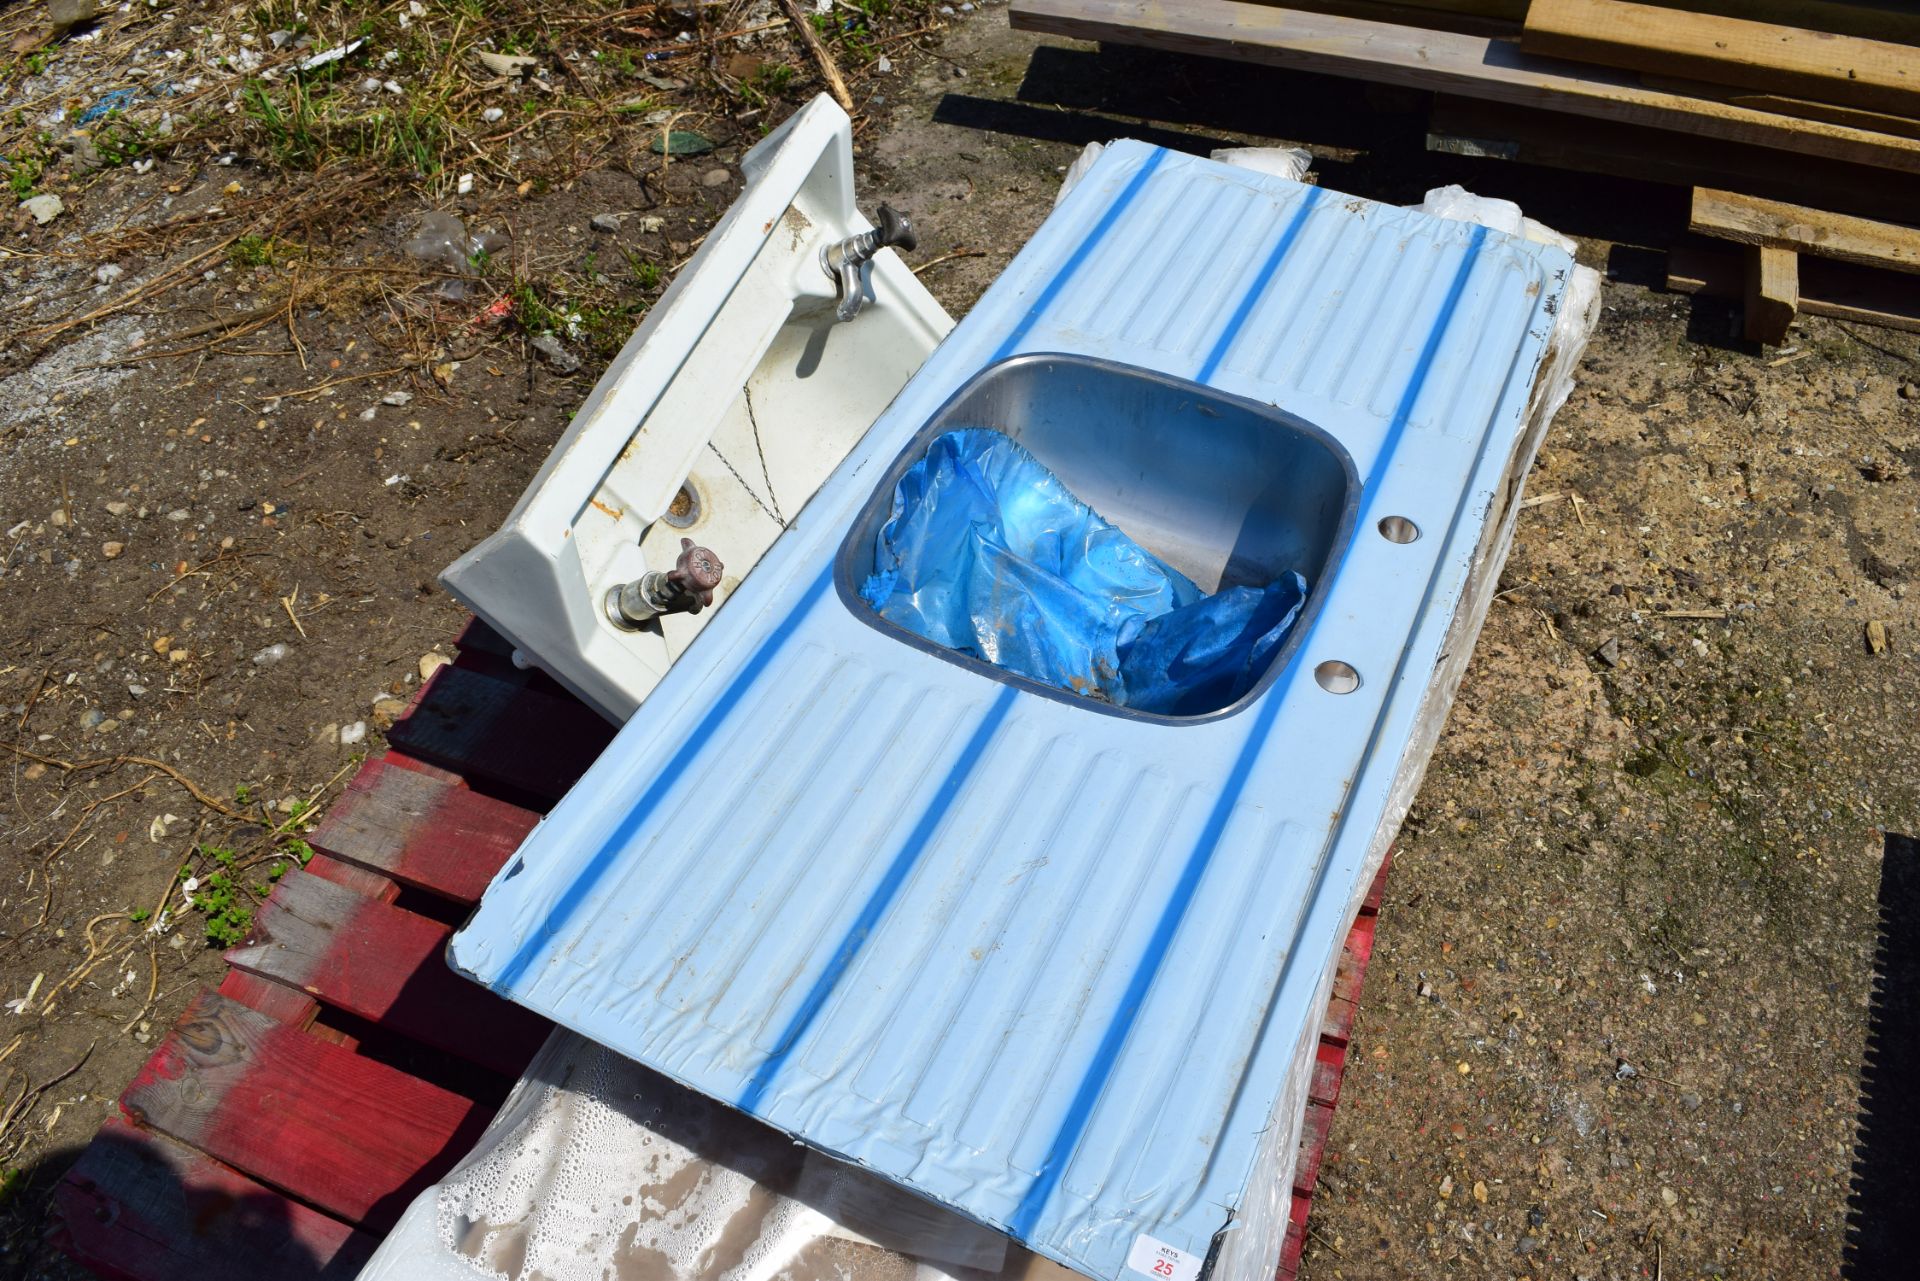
[
  {"x": 1313, "y": 1146},
  {"x": 1329, "y": 1065},
  {"x": 275, "y": 1000},
  {"x": 1296, "y": 1240},
  {"x": 422, "y": 829},
  {"x": 140, "y": 1207},
  {"x": 362, "y": 881},
  {"x": 385, "y": 964},
  {"x": 346, "y": 1134},
  {"x": 495, "y": 729},
  {"x": 1344, "y": 1003}
]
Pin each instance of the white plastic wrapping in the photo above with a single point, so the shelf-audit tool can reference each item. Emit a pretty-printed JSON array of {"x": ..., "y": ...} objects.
[
  {"x": 1290, "y": 163},
  {"x": 597, "y": 1168}
]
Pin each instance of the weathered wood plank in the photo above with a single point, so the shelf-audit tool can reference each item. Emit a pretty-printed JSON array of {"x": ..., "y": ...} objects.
[
  {"x": 1472, "y": 66},
  {"x": 1772, "y": 294},
  {"x": 1554, "y": 138},
  {"x": 346, "y": 1134},
  {"x": 1749, "y": 220},
  {"x": 1835, "y": 289},
  {"x": 1469, "y": 17},
  {"x": 361, "y": 880},
  {"x": 1314, "y": 1129},
  {"x": 381, "y": 963},
  {"x": 1873, "y": 74},
  {"x": 424, "y": 830},
  {"x": 141, "y": 1207},
  {"x": 1787, "y": 105},
  {"x": 275, "y": 1000},
  {"x": 494, "y": 729}
]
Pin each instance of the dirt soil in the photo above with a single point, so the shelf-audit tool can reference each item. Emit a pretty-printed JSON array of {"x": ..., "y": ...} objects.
[{"x": 1617, "y": 1013}]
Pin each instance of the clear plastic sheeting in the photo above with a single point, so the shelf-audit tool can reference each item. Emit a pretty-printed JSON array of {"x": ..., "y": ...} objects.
[
  {"x": 988, "y": 554},
  {"x": 597, "y": 1169}
]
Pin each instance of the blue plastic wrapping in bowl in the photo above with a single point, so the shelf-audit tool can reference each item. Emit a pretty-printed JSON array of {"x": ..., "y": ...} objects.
[{"x": 986, "y": 552}]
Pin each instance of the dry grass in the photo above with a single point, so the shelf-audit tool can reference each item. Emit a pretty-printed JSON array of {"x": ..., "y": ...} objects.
[{"x": 410, "y": 118}]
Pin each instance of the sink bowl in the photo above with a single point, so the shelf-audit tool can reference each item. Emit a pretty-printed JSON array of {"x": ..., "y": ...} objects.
[{"x": 1228, "y": 491}]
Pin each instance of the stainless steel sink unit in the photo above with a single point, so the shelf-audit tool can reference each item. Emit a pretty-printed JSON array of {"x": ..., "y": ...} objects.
[{"x": 1056, "y": 967}]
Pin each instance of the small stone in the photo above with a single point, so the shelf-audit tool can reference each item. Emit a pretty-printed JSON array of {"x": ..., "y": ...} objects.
[
  {"x": 112, "y": 550},
  {"x": 715, "y": 178},
  {"x": 108, "y": 725},
  {"x": 1609, "y": 653},
  {"x": 178, "y": 514},
  {"x": 508, "y": 64},
  {"x": 68, "y": 13},
  {"x": 492, "y": 115},
  {"x": 681, "y": 142},
  {"x": 34, "y": 771},
  {"x": 1690, "y": 1101},
  {"x": 370, "y": 413},
  {"x": 1876, "y": 637},
  {"x": 328, "y": 734},
  {"x": 118, "y": 508},
  {"x": 396, "y": 398},
  {"x": 431, "y": 663},
  {"x": 652, "y": 224},
  {"x": 58, "y": 518},
  {"x": 178, "y": 656},
  {"x": 556, "y": 353},
  {"x": 137, "y": 691},
  {"x": 883, "y": 66},
  {"x": 92, "y": 718},
  {"x": 44, "y": 207},
  {"x": 386, "y": 711},
  {"x": 107, "y": 273},
  {"x": 1910, "y": 391},
  {"x": 1669, "y": 1198},
  {"x": 1480, "y": 1192},
  {"x": 271, "y": 654},
  {"x": 354, "y": 733},
  {"x": 606, "y": 222},
  {"x": 1446, "y": 1188}
]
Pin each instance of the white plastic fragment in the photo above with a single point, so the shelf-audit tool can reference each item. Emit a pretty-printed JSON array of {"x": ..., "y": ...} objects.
[
  {"x": 328, "y": 56},
  {"x": 1290, "y": 163},
  {"x": 1077, "y": 170}
]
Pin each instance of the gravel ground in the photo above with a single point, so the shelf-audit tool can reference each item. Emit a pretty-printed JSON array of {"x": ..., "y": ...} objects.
[{"x": 1617, "y": 1015}]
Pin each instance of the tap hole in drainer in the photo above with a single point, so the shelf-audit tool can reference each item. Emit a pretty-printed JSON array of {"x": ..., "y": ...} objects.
[
  {"x": 684, "y": 510},
  {"x": 1398, "y": 529},
  {"x": 1337, "y": 677}
]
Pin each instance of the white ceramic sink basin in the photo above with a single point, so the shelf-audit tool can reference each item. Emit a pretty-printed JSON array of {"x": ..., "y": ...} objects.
[{"x": 731, "y": 403}]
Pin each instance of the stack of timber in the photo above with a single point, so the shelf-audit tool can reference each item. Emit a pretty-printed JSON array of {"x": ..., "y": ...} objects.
[{"x": 1796, "y": 121}]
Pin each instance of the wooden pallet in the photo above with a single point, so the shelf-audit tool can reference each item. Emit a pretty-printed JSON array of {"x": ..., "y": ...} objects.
[
  {"x": 340, "y": 1067},
  {"x": 294, "y": 1111}
]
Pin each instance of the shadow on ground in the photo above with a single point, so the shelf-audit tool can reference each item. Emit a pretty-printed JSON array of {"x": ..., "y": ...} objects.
[{"x": 1883, "y": 1231}]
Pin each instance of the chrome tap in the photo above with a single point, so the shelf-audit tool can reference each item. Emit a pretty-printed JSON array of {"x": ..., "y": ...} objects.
[
  {"x": 687, "y": 588},
  {"x": 844, "y": 259}
]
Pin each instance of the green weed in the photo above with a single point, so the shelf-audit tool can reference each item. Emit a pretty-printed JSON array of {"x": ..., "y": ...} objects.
[
  {"x": 227, "y": 907},
  {"x": 645, "y": 273}
]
